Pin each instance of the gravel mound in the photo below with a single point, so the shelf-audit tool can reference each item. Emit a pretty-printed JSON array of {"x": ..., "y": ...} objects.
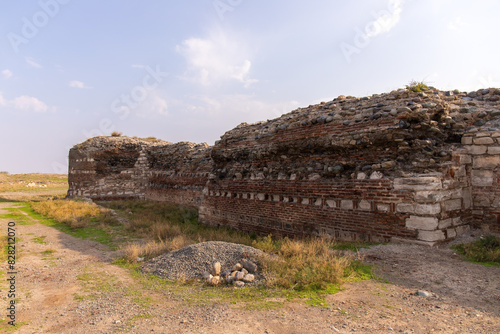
[{"x": 191, "y": 261}]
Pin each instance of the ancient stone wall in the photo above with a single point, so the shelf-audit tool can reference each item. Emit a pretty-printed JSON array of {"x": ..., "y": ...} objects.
[
  {"x": 401, "y": 165},
  {"x": 483, "y": 163},
  {"x": 108, "y": 168},
  {"x": 178, "y": 173}
]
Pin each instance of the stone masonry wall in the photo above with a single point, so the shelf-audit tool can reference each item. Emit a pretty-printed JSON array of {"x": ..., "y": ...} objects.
[
  {"x": 401, "y": 165},
  {"x": 178, "y": 173},
  {"x": 483, "y": 162},
  {"x": 108, "y": 168}
]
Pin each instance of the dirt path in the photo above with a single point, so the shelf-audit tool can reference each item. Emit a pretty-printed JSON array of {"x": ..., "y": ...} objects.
[{"x": 68, "y": 285}]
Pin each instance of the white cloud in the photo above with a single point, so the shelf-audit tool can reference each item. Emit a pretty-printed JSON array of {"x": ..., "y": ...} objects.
[
  {"x": 238, "y": 108},
  {"x": 153, "y": 105},
  {"x": 32, "y": 62},
  {"x": 138, "y": 66},
  {"x": 456, "y": 24},
  {"x": 78, "y": 84},
  {"x": 7, "y": 73},
  {"x": 217, "y": 58},
  {"x": 26, "y": 103},
  {"x": 386, "y": 20},
  {"x": 158, "y": 105},
  {"x": 488, "y": 81},
  {"x": 29, "y": 103}
]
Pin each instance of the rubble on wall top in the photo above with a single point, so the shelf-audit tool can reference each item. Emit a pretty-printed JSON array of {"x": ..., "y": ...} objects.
[
  {"x": 434, "y": 114},
  {"x": 105, "y": 142},
  {"x": 461, "y": 110}
]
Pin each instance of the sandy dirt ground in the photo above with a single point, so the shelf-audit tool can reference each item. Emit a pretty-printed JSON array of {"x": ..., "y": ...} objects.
[{"x": 69, "y": 285}]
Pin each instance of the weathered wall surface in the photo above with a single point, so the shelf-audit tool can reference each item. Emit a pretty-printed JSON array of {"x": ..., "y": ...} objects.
[
  {"x": 178, "y": 173},
  {"x": 108, "y": 168},
  {"x": 399, "y": 165},
  {"x": 483, "y": 161},
  {"x": 105, "y": 168}
]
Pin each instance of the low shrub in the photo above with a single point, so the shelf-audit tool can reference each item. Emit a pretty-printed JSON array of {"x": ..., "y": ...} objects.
[
  {"x": 484, "y": 250},
  {"x": 416, "y": 86}
]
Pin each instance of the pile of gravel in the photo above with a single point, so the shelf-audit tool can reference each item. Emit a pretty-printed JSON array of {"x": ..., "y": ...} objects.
[{"x": 192, "y": 261}]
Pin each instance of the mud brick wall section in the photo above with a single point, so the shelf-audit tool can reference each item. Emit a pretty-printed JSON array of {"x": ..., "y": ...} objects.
[{"x": 421, "y": 167}]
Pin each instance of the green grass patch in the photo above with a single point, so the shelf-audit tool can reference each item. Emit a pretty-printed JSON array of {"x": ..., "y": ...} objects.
[
  {"x": 94, "y": 282},
  {"x": 485, "y": 251},
  {"x": 78, "y": 297},
  {"x": 16, "y": 215},
  {"x": 359, "y": 271},
  {"x": 352, "y": 246},
  {"x": 39, "y": 240},
  {"x": 139, "y": 298},
  {"x": 141, "y": 316}
]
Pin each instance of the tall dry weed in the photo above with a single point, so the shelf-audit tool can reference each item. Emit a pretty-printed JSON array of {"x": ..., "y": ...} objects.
[
  {"x": 165, "y": 230},
  {"x": 303, "y": 264},
  {"x": 76, "y": 214},
  {"x": 132, "y": 252}
]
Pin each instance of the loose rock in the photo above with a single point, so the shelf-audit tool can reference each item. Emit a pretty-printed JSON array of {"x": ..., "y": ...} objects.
[{"x": 239, "y": 284}]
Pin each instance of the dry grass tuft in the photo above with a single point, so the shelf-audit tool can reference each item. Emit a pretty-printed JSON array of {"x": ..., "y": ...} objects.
[
  {"x": 76, "y": 214},
  {"x": 164, "y": 231},
  {"x": 307, "y": 264},
  {"x": 131, "y": 252},
  {"x": 153, "y": 248},
  {"x": 179, "y": 242}
]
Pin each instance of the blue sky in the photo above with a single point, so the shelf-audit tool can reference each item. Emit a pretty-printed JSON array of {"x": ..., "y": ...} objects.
[{"x": 189, "y": 71}]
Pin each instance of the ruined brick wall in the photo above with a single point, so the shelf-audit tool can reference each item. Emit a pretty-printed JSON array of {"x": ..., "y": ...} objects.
[
  {"x": 178, "y": 173},
  {"x": 345, "y": 209},
  {"x": 373, "y": 168},
  {"x": 415, "y": 166},
  {"x": 108, "y": 168}
]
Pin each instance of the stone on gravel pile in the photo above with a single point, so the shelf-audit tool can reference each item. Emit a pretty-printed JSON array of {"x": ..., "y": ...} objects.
[{"x": 239, "y": 274}]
